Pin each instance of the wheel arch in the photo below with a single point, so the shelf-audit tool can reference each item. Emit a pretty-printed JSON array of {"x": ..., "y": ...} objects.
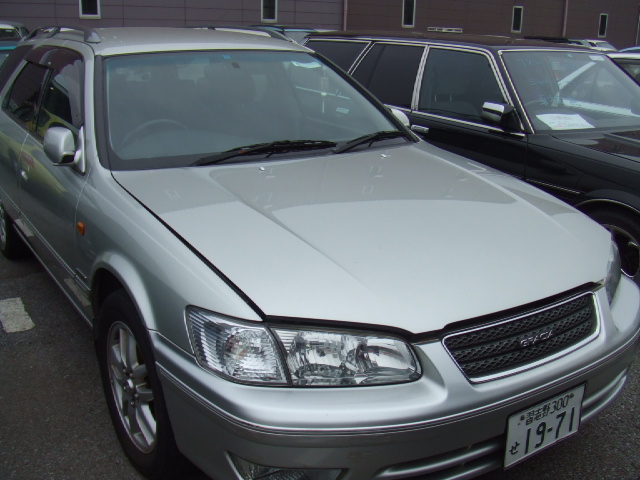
[
  {"x": 623, "y": 221},
  {"x": 109, "y": 277},
  {"x": 612, "y": 200}
]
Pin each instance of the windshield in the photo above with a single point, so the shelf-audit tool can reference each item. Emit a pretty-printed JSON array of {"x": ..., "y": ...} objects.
[
  {"x": 563, "y": 91},
  {"x": 172, "y": 109}
]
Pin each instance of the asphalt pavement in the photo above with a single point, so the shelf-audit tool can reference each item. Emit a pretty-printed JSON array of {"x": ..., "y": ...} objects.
[{"x": 54, "y": 423}]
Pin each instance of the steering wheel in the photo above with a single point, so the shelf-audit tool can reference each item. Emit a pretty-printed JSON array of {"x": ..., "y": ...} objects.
[{"x": 138, "y": 131}]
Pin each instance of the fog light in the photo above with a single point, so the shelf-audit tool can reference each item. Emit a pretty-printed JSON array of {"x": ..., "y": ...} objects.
[{"x": 252, "y": 471}]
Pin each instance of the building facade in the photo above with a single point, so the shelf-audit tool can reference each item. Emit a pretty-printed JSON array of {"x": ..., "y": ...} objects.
[
  {"x": 326, "y": 14},
  {"x": 616, "y": 21}
]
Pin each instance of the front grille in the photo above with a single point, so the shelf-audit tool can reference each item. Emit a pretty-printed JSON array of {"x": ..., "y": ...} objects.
[{"x": 518, "y": 341}]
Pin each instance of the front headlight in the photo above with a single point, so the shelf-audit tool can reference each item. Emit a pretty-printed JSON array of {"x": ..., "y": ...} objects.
[
  {"x": 614, "y": 272},
  {"x": 320, "y": 358},
  {"x": 252, "y": 353}
]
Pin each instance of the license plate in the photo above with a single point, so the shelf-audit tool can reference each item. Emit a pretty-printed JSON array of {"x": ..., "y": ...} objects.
[{"x": 542, "y": 425}]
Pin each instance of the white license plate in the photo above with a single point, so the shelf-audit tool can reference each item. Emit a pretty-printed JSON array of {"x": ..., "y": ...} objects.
[{"x": 537, "y": 427}]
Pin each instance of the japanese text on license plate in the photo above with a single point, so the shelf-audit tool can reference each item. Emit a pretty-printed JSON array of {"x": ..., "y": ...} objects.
[{"x": 537, "y": 427}]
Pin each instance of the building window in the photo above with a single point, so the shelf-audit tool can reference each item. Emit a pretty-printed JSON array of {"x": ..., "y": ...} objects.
[
  {"x": 409, "y": 13},
  {"x": 89, "y": 8},
  {"x": 516, "y": 21},
  {"x": 602, "y": 28},
  {"x": 269, "y": 10}
]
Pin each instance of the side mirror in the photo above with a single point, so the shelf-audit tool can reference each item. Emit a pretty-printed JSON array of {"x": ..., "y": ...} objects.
[
  {"x": 60, "y": 146},
  {"x": 502, "y": 115},
  {"x": 400, "y": 115}
]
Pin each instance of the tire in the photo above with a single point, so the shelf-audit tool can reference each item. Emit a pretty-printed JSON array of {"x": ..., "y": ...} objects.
[
  {"x": 625, "y": 231},
  {"x": 133, "y": 391},
  {"x": 11, "y": 245}
]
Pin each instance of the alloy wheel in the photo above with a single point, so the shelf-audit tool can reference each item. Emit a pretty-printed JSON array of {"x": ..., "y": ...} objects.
[{"x": 130, "y": 387}]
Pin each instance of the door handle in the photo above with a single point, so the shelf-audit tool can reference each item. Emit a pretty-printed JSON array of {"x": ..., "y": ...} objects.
[{"x": 419, "y": 129}]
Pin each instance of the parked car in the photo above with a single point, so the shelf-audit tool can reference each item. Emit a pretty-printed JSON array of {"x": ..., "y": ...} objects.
[
  {"x": 12, "y": 30},
  {"x": 250, "y": 30},
  {"x": 297, "y": 34},
  {"x": 601, "y": 45},
  {"x": 561, "y": 118},
  {"x": 635, "y": 49},
  {"x": 6, "y": 46},
  {"x": 598, "y": 44},
  {"x": 629, "y": 62},
  {"x": 282, "y": 280}
]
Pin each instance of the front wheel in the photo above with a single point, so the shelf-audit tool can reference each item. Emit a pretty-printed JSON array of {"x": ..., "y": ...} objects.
[
  {"x": 133, "y": 391},
  {"x": 625, "y": 231}
]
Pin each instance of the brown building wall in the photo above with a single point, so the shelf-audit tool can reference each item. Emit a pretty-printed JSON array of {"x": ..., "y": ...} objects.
[
  {"x": 326, "y": 14},
  {"x": 494, "y": 17},
  {"x": 541, "y": 17}
]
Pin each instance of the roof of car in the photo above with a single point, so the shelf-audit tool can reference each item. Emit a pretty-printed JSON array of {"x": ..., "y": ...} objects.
[
  {"x": 491, "y": 41},
  {"x": 120, "y": 40},
  {"x": 10, "y": 23}
]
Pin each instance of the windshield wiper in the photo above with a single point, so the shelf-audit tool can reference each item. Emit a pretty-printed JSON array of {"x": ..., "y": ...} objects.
[
  {"x": 370, "y": 138},
  {"x": 279, "y": 146}
]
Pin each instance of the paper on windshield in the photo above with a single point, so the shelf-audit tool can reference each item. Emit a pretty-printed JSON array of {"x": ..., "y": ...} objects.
[{"x": 560, "y": 121}]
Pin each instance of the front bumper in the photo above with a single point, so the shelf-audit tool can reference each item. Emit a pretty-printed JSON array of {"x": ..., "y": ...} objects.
[{"x": 440, "y": 424}]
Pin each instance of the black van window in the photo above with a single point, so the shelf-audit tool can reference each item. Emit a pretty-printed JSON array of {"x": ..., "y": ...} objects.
[
  {"x": 389, "y": 72},
  {"x": 457, "y": 84},
  {"x": 342, "y": 54}
]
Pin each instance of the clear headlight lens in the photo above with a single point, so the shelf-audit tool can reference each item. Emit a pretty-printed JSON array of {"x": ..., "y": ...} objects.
[
  {"x": 250, "y": 353},
  {"x": 321, "y": 358},
  {"x": 246, "y": 353},
  {"x": 614, "y": 272}
]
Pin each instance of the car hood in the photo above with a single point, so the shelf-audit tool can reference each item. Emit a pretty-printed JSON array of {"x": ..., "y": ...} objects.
[
  {"x": 625, "y": 143},
  {"x": 398, "y": 237}
]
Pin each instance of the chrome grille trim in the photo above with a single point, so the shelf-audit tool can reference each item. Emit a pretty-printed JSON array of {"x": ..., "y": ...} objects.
[{"x": 522, "y": 342}]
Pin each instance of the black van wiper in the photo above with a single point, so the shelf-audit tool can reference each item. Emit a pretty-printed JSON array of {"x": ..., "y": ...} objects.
[
  {"x": 370, "y": 138},
  {"x": 279, "y": 146}
]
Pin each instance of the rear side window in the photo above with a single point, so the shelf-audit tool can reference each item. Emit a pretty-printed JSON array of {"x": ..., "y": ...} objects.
[
  {"x": 457, "y": 83},
  {"x": 389, "y": 72},
  {"x": 342, "y": 54}
]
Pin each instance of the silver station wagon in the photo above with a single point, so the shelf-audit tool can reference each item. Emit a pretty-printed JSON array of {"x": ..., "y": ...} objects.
[{"x": 283, "y": 281}]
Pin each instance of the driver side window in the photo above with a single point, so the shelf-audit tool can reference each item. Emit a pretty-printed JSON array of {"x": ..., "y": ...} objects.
[
  {"x": 61, "y": 101},
  {"x": 42, "y": 97},
  {"x": 22, "y": 101}
]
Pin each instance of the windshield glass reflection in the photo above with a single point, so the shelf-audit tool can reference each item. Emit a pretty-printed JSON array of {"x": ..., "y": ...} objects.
[
  {"x": 170, "y": 109},
  {"x": 563, "y": 91}
]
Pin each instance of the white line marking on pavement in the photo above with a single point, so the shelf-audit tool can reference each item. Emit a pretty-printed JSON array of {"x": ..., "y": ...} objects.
[{"x": 13, "y": 316}]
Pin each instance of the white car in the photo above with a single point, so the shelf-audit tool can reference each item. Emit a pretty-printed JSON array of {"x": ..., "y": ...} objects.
[{"x": 12, "y": 30}]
